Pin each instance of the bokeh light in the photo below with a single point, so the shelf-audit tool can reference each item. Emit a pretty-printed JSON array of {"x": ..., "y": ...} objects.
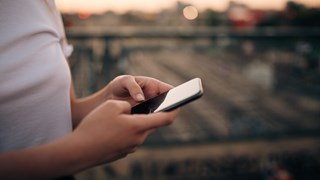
[
  {"x": 83, "y": 15},
  {"x": 190, "y": 12}
]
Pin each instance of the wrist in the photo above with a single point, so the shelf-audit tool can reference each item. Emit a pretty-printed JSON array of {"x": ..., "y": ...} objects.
[{"x": 106, "y": 92}]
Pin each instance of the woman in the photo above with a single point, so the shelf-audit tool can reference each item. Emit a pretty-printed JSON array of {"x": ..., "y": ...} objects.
[{"x": 45, "y": 131}]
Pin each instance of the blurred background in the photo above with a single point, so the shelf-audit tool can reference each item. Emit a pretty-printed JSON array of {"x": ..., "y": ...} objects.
[{"x": 260, "y": 66}]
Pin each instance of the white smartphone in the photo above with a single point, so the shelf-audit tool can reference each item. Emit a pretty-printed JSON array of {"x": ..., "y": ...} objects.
[{"x": 172, "y": 99}]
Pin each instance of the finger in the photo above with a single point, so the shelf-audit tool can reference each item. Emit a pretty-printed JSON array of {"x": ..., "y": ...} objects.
[
  {"x": 115, "y": 156},
  {"x": 134, "y": 89},
  {"x": 120, "y": 106},
  {"x": 131, "y": 149},
  {"x": 149, "y": 132},
  {"x": 159, "y": 86},
  {"x": 164, "y": 87},
  {"x": 144, "y": 135},
  {"x": 155, "y": 120},
  {"x": 141, "y": 136}
]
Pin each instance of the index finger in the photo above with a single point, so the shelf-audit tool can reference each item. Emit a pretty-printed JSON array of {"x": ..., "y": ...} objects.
[{"x": 152, "y": 86}]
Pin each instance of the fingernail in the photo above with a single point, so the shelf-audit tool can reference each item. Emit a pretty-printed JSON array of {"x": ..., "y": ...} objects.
[{"x": 140, "y": 97}]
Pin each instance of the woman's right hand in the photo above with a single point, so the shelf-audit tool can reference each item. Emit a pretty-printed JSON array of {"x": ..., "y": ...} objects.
[{"x": 110, "y": 132}]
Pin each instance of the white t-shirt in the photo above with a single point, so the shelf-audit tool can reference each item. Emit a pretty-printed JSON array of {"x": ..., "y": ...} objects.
[{"x": 34, "y": 75}]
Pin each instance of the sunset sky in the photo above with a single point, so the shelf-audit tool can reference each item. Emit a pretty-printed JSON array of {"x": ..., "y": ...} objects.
[{"x": 100, "y": 6}]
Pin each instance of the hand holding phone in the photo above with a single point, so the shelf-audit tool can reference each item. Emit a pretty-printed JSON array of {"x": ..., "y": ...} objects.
[{"x": 172, "y": 99}]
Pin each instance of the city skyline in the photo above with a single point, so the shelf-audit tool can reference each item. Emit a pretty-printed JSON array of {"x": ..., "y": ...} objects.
[{"x": 101, "y": 6}]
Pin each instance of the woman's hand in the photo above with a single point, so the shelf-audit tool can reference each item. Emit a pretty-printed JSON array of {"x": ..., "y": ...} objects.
[
  {"x": 110, "y": 132},
  {"x": 134, "y": 89},
  {"x": 106, "y": 134}
]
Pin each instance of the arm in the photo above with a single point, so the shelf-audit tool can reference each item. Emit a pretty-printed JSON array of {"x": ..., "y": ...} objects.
[
  {"x": 106, "y": 133},
  {"x": 42, "y": 162},
  {"x": 81, "y": 107}
]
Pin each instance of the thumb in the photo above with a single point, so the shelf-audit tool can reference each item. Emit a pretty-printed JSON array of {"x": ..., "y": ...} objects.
[
  {"x": 156, "y": 120},
  {"x": 116, "y": 106}
]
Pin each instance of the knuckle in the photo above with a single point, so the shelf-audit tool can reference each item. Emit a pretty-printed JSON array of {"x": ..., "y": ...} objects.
[
  {"x": 135, "y": 128},
  {"x": 112, "y": 103},
  {"x": 169, "y": 122},
  {"x": 115, "y": 104},
  {"x": 125, "y": 77}
]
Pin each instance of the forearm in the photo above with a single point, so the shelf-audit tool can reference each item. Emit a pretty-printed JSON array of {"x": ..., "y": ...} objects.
[
  {"x": 80, "y": 107},
  {"x": 59, "y": 158}
]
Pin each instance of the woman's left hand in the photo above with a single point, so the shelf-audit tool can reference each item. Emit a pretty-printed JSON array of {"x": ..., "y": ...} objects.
[{"x": 135, "y": 89}]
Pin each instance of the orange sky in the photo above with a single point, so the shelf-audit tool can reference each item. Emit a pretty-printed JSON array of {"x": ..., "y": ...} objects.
[{"x": 98, "y": 6}]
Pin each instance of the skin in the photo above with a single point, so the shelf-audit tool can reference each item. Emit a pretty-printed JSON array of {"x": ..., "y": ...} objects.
[{"x": 104, "y": 131}]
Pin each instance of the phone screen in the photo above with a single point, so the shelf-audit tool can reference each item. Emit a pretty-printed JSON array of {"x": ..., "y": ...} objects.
[{"x": 171, "y": 99}]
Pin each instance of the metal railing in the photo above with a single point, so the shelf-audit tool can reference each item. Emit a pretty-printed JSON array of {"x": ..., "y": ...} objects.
[{"x": 103, "y": 53}]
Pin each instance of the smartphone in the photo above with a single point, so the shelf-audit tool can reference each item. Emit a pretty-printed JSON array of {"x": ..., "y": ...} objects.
[{"x": 172, "y": 99}]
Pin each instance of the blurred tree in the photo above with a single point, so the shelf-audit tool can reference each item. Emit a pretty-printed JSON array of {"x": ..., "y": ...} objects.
[
  {"x": 271, "y": 19},
  {"x": 130, "y": 17},
  {"x": 298, "y": 15},
  {"x": 212, "y": 18},
  {"x": 294, "y": 14}
]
